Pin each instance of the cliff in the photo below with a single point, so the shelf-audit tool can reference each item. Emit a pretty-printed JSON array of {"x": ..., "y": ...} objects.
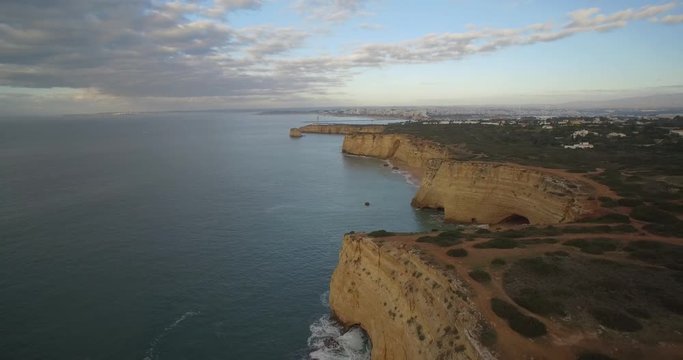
[
  {"x": 342, "y": 129},
  {"x": 295, "y": 133},
  {"x": 404, "y": 150},
  {"x": 475, "y": 191},
  {"x": 410, "y": 307}
]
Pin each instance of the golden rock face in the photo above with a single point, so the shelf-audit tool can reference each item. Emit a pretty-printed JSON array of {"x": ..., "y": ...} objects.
[
  {"x": 476, "y": 191},
  {"x": 410, "y": 307}
]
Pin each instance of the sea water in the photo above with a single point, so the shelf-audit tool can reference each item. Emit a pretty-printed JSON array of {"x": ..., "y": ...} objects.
[{"x": 196, "y": 235}]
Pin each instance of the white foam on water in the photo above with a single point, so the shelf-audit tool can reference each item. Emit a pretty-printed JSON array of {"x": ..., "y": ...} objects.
[
  {"x": 328, "y": 341},
  {"x": 325, "y": 298},
  {"x": 152, "y": 352},
  {"x": 410, "y": 179}
]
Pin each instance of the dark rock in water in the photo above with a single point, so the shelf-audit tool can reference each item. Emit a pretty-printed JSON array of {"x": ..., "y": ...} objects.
[
  {"x": 367, "y": 203},
  {"x": 331, "y": 343},
  {"x": 395, "y": 167},
  {"x": 386, "y": 165}
]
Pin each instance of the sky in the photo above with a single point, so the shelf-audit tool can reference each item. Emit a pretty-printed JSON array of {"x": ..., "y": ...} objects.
[{"x": 83, "y": 56}]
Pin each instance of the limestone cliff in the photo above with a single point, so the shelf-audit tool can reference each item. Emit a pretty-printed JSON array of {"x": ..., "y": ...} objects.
[
  {"x": 295, "y": 133},
  {"x": 342, "y": 129},
  {"x": 410, "y": 307},
  {"x": 484, "y": 192},
  {"x": 405, "y": 150}
]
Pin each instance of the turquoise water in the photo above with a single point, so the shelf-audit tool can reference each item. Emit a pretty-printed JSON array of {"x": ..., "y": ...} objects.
[{"x": 207, "y": 235}]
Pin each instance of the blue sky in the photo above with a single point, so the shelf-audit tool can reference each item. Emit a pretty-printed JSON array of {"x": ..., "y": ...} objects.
[{"x": 66, "y": 56}]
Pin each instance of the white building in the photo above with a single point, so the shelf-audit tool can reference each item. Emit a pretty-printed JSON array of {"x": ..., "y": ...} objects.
[{"x": 581, "y": 145}]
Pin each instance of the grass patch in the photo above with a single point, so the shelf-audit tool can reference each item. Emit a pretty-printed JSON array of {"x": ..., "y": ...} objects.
[
  {"x": 558, "y": 253},
  {"x": 615, "y": 320},
  {"x": 457, "y": 252},
  {"x": 639, "y": 313},
  {"x": 589, "y": 355},
  {"x": 593, "y": 246},
  {"x": 487, "y": 335},
  {"x": 672, "y": 304},
  {"x": 480, "y": 276},
  {"x": 539, "y": 266},
  {"x": 612, "y": 218},
  {"x": 654, "y": 215},
  {"x": 657, "y": 253},
  {"x": 498, "y": 262},
  {"x": 538, "y": 241},
  {"x": 498, "y": 244},
  {"x": 675, "y": 230},
  {"x": 630, "y": 202},
  {"x": 380, "y": 233},
  {"x": 539, "y": 303},
  {"x": 608, "y": 202},
  {"x": 446, "y": 238},
  {"x": 523, "y": 324}
]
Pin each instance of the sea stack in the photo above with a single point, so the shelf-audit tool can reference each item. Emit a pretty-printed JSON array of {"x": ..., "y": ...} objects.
[{"x": 295, "y": 133}]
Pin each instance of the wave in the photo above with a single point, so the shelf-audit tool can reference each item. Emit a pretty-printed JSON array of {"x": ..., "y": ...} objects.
[
  {"x": 329, "y": 342},
  {"x": 153, "y": 353},
  {"x": 410, "y": 179}
]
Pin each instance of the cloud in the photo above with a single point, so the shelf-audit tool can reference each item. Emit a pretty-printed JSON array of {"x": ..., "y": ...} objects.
[
  {"x": 187, "y": 51},
  {"x": 672, "y": 19},
  {"x": 331, "y": 10}
]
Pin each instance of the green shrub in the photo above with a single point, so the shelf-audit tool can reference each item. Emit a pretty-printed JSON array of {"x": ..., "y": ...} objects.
[
  {"x": 480, "y": 276},
  {"x": 672, "y": 304},
  {"x": 615, "y": 320},
  {"x": 483, "y": 231},
  {"x": 593, "y": 246},
  {"x": 630, "y": 202},
  {"x": 668, "y": 206},
  {"x": 487, "y": 335},
  {"x": 611, "y": 218},
  {"x": 498, "y": 262},
  {"x": 675, "y": 230},
  {"x": 657, "y": 253},
  {"x": 380, "y": 233},
  {"x": 608, "y": 202},
  {"x": 538, "y": 303},
  {"x": 457, "y": 252},
  {"x": 523, "y": 324},
  {"x": 653, "y": 215},
  {"x": 593, "y": 356},
  {"x": 497, "y": 244},
  {"x": 539, "y": 266},
  {"x": 538, "y": 241},
  {"x": 446, "y": 238},
  {"x": 639, "y": 313},
  {"x": 557, "y": 253}
]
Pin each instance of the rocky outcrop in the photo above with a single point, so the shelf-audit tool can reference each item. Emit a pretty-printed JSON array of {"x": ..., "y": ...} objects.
[
  {"x": 475, "y": 191},
  {"x": 343, "y": 129},
  {"x": 295, "y": 133},
  {"x": 410, "y": 307}
]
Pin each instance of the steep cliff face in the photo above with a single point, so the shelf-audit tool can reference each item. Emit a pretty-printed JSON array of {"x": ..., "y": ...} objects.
[
  {"x": 343, "y": 129},
  {"x": 403, "y": 149},
  {"x": 490, "y": 193},
  {"x": 410, "y": 307},
  {"x": 485, "y": 192}
]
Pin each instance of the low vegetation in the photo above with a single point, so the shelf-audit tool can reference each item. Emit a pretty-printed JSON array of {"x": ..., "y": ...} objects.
[
  {"x": 497, "y": 244},
  {"x": 380, "y": 233},
  {"x": 523, "y": 324},
  {"x": 615, "y": 320},
  {"x": 656, "y": 253},
  {"x": 444, "y": 239},
  {"x": 593, "y": 246},
  {"x": 457, "y": 252},
  {"x": 539, "y": 302},
  {"x": 611, "y": 218},
  {"x": 480, "y": 276}
]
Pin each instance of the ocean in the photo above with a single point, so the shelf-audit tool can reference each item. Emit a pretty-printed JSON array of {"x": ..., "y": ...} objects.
[{"x": 195, "y": 235}]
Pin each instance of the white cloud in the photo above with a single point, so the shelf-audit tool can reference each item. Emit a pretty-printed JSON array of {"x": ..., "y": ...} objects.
[{"x": 331, "y": 10}]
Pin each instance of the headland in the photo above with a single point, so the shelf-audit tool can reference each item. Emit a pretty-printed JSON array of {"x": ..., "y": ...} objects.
[{"x": 578, "y": 261}]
